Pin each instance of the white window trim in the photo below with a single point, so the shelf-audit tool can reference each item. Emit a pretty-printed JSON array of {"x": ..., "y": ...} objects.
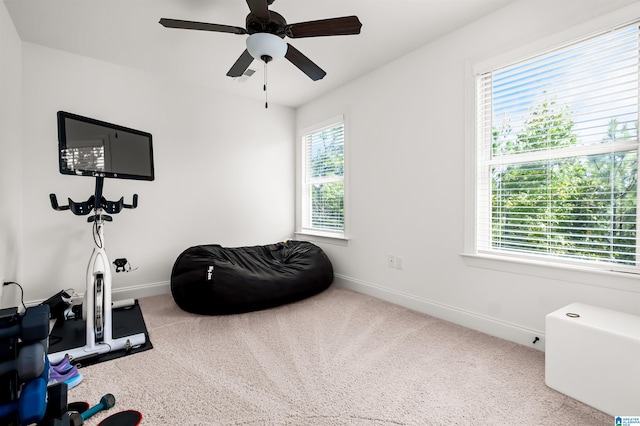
[
  {"x": 578, "y": 274},
  {"x": 340, "y": 238}
]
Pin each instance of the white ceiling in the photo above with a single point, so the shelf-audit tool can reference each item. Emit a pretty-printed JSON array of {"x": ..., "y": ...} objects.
[{"x": 127, "y": 32}]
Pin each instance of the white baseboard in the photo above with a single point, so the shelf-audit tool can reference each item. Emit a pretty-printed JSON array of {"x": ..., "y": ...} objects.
[
  {"x": 474, "y": 321},
  {"x": 141, "y": 291},
  {"x": 131, "y": 292}
]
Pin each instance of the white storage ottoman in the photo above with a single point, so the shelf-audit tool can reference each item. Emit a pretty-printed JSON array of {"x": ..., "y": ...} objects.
[{"x": 592, "y": 354}]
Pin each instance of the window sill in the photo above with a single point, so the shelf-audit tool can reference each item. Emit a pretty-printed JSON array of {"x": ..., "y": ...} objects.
[
  {"x": 321, "y": 237},
  {"x": 586, "y": 276}
]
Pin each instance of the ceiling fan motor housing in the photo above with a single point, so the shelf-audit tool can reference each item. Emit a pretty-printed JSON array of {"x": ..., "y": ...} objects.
[{"x": 275, "y": 25}]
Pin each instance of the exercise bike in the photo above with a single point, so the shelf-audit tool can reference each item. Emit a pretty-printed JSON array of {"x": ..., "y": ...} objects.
[{"x": 96, "y": 308}]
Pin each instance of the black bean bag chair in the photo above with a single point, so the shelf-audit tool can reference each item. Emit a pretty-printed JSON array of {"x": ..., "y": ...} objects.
[{"x": 215, "y": 280}]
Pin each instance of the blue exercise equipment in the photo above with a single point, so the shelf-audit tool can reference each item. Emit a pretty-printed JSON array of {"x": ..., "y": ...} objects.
[{"x": 32, "y": 404}]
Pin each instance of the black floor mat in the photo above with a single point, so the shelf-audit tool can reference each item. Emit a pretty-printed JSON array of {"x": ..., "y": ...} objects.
[{"x": 126, "y": 321}]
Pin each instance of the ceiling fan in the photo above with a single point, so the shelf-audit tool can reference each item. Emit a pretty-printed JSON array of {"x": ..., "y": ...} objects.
[{"x": 267, "y": 29}]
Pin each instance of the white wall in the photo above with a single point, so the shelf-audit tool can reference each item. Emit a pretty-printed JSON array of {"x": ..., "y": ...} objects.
[
  {"x": 10, "y": 149},
  {"x": 406, "y": 135},
  {"x": 224, "y": 173}
]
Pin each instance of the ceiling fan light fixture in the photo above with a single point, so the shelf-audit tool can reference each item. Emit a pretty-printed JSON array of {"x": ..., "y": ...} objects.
[{"x": 265, "y": 44}]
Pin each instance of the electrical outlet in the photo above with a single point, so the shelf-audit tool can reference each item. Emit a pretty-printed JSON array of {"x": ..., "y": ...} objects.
[{"x": 391, "y": 260}]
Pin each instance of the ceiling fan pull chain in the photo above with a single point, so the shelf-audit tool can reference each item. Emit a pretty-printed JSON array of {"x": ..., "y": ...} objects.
[{"x": 266, "y": 103}]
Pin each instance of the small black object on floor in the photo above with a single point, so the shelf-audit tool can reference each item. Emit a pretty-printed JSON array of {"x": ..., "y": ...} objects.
[
  {"x": 126, "y": 321},
  {"x": 123, "y": 418}
]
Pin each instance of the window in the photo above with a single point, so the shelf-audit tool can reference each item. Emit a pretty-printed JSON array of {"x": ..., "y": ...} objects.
[
  {"x": 557, "y": 154},
  {"x": 322, "y": 180}
]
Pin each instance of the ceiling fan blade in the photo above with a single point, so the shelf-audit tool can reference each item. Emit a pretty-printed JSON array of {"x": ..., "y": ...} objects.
[
  {"x": 304, "y": 64},
  {"x": 347, "y": 25},
  {"x": 259, "y": 8},
  {"x": 191, "y": 25},
  {"x": 241, "y": 65}
]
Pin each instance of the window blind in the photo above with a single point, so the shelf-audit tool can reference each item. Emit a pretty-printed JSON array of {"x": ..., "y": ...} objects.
[
  {"x": 323, "y": 179},
  {"x": 557, "y": 153}
]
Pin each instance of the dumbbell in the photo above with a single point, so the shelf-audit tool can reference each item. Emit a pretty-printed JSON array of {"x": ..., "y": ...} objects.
[
  {"x": 77, "y": 419},
  {"x": 106, "y": 402},
  {"x": 31, "y": 327},
  {"x": 29, "y": 364},
  {"x": 57, "y": 408},
  {"x": 31, "y": 405},
  {"x": 64, "y": 420},
  {"x": 57, "y": 404}
]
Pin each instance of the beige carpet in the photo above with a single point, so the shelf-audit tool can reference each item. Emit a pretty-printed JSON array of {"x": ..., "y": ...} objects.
[{"x": 339, "y": 358}]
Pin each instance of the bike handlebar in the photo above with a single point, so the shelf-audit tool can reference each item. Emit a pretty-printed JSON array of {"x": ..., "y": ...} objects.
[
  {"x": 54, "y": 203},
  {"x": 85, "y": 207}
]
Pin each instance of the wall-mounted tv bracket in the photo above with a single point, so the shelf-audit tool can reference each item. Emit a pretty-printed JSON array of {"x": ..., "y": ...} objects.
[{"x": 96, "y": 308}]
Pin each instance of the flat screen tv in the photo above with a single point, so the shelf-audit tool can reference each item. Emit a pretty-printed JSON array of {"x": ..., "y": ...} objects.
[{"x": 90, "y": 147}]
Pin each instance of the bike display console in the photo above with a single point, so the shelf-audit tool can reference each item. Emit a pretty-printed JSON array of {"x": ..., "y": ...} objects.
[{"x": 96, "y": 307}]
